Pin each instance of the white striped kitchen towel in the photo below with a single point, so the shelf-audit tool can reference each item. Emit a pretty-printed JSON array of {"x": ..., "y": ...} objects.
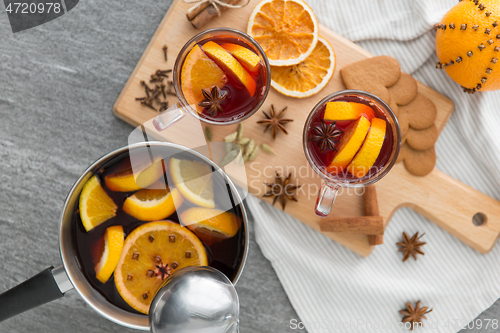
[{"x": 334, "y": 290}]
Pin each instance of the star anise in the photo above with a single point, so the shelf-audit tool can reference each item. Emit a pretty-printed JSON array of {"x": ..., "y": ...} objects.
[
  {"x": 275, "y": 121},
  {"x": 414, "y": 315},
  {"x": 326, "y": 135},
  {"x": 213, "y": 100},
  {"x": 411, "y": 246},
  {"x": 163, "y": 271},
  {"x": 281, "y": 190}
]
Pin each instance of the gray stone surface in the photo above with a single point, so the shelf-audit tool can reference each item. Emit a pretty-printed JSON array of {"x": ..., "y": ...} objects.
[{"x": 58, "y": 83}]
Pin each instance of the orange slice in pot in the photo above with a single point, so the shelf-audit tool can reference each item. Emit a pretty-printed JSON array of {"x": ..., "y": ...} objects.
[
  {"x": 287, "y": 30},
  {"x": 137, "y": 178},
  {"x": 210, "y": 225},
  {"x": 229, "y": 64},
  {"x": 339, "y": 111},
  {"x": 199, "y": 72},
  {"x": 95, "y": 205},
  {"x": 151, "y": 253},
  {"x": 153, "y": 204},
  {"x": 308, "y": 77},
  {"x": 113, "y": 245}
]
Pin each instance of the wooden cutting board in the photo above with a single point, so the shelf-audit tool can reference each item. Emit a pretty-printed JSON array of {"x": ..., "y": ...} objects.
[{"x": 443, "y": 200}]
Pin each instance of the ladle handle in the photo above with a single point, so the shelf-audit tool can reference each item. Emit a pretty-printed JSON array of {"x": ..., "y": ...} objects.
[{"x": 40, "y": 289}]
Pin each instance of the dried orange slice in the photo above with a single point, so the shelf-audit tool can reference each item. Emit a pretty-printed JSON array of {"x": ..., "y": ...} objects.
[
  {"x": 95, "y": 205},
  {"x": 194, "y": 180},
  {"x": 210, "y": 225},
  {"x": 230, "y": 65},
  {"x": 113, "y": 245},
  {"x": 349, "y": 145},
  {"x": 287, "y": 30},
  {"x": 152, "y": 204},
  {"x": 307, "y": 77},
  {"x": 151, "y": 253},
  {"x": 199, "y": 72},
  {"x": 137, "y": 178},
  {"x": 368, "y": 154},
  {"x": 339, "y": 111},
  {"x": 247, "y": 58}
]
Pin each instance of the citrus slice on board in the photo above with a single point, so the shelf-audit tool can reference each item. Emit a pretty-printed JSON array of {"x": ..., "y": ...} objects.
[
  {"x": 229, "y": 64},
  {"x": 349, "y": 145},
  {"x": 151, "y": 253},
  {"x": 95, "y": 205},
  {"x": 339, "y": 111},
  {"x": 152, "y": 204},
  {"x": 307, "y": 77},
  {"x": 246, "y": 57},
  {"x": 199, "y": 72},
  {"x": 194, "y": 180},
  {"x": 210, "y": 225},
  {"x": 113, "y": 245},
  {"x": 287, "y": 30},
  {"x": 370, "y": 150},
  {"x": 137, "y": 178}
]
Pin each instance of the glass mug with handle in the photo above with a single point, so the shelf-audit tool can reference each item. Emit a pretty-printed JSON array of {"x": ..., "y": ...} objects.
[
  {"x": 351, "y": 138},
  {"x": 221, "y": 77}
]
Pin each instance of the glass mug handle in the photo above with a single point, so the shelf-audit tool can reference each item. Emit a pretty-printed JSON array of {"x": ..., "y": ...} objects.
[
  {"x": 326, "y": 198},
  {"x": 168, "y": 117}
]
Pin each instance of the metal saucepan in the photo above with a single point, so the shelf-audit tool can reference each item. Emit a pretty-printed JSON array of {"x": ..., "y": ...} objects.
[{"x": 52, "y": 283}]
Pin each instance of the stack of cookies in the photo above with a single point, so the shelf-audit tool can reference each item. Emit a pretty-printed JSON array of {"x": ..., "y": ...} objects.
[{"x": 416, "y": 113}]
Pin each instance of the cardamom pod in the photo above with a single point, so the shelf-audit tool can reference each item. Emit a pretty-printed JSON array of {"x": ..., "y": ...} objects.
[
  {"x": 208, "y": 133},
  {"x": 229, "y": 157},
  {"x": 267, "y": 149},
  {"x": 239, "y": 131},
  {"x": 231, "y": 137},
  {"x": 250, "y": 147},
  {"x": 243, "y": 141},
  {"x": 254, "y": 153}
]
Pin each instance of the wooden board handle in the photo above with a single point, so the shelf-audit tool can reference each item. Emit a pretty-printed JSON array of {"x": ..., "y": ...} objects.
[{"x": 453, "y": 205}]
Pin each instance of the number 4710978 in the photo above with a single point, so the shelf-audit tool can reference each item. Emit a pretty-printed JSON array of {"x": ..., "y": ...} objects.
[{"x": 33, "y": 8}]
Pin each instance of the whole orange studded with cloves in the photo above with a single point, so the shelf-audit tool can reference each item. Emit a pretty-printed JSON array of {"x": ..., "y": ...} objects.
[{"x": 468, "y": 44}]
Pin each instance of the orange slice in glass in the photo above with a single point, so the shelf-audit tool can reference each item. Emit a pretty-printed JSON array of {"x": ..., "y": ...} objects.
[
  {"x": 113, "y": 245},
  {"x": 339, "y": 111},
  {"x": 287, "y": 30},
  {"x": 127, "y": 181},
  {"x": 210, "y": 225},
  {"x": 153, "y": 204},
  {"x": 199, "y": 72},
  {"x": 247, "y": 58},
  {"x": 95, "y": 205},
  {"x": 370, "y": 150},
  {"x": 229, "y": 64},
  {"x": 309, "y": 76},
  {"x": 151, "y": 253},
  {"x": 349, "y": 145}
]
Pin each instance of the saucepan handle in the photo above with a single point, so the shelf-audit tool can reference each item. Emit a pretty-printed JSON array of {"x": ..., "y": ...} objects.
[{"x": 42, "y": 288}]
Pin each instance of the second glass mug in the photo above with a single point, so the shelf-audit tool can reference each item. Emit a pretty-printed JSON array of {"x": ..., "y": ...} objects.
[
  {"x": 386, "y": 159},
  {"x": 182, "y": 107}
]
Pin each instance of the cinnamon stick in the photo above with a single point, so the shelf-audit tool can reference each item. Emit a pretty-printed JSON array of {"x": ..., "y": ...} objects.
[
  {"x": 206, "y": 13},
  {"x": 371, "y": 209},
  {"x": 367, "y": 225}
]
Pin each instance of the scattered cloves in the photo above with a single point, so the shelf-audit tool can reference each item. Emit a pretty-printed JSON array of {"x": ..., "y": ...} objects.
[{"x": 165, "y": 48}]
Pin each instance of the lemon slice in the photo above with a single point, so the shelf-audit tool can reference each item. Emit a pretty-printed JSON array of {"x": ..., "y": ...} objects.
[
  {"x": 113, "y": 245},
  {"x": 210, "y": 225},
  {"x": 151, "y": 253},
  {"x": 309, "y": 76},
  {"x": 127, "y": 181},
  {"x": 152, "y": 204},
  {"x": 96, "y": 206},
  {"x": 287, "y": 30},
  {"x": 194, "y": 180}
]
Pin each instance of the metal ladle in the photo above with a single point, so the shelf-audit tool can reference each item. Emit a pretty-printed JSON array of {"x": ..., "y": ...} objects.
[{"x": 195, "y": 299}]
